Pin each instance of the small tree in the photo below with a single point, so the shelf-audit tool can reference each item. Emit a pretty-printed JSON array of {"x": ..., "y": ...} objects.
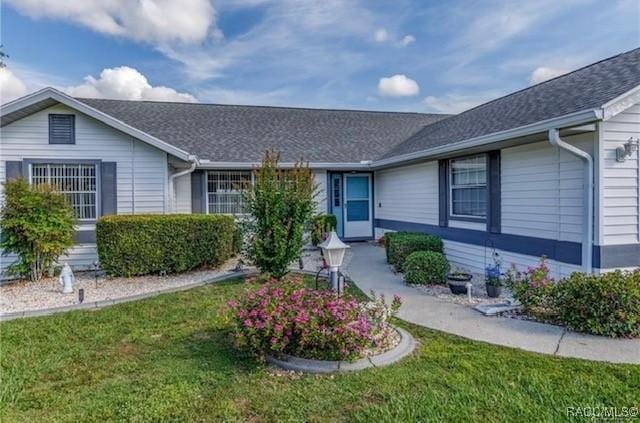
[
  {"x": 37, "y": 224},
  {"x": 281, "y": 204}
]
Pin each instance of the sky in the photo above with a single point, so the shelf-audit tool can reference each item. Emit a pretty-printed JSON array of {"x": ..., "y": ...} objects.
[{"x": 401, "y": 55}]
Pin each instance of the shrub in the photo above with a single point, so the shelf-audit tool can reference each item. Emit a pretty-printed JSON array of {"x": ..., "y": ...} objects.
[
  {"x": 533, "y": 288},
  {"x": 144, "y": 244},
  {"x": 37, "y": 224},
  {"x": 607, "y": 304},
  {"x": 281, "y": 203},
  {"x": 426, "y": 267},
  {"x": 321, "y": 225},
  {"x": 402, "y": 244},
  {"x": 283, "y": 316}
]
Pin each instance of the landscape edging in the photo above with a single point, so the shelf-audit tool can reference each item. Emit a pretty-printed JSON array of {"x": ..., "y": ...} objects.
[{"x": 404, "y": 348}]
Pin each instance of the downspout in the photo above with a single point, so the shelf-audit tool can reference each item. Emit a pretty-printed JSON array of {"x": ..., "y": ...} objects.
[
  {"x": 172, "y": 193},
  {"x": 587, "y": 231}
]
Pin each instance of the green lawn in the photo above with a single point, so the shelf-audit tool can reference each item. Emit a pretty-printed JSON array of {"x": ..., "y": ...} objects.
[{"x": 171, "y": 358}]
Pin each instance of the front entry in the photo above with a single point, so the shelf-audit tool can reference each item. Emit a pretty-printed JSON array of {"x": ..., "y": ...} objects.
[
  {"x": 351, "y": 200},
  {"x": 358, "y": 219}
]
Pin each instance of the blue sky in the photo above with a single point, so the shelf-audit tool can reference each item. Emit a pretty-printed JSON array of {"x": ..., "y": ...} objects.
[{"x": 423, "y": 56}]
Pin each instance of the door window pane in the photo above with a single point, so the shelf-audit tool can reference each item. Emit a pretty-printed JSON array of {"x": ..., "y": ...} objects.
[
  {"x": 357, "y": 210},
  {"x": 358, "y": 187}
]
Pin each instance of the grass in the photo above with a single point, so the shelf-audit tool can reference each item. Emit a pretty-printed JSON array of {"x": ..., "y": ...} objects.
[{"x": 171, "y": 358}]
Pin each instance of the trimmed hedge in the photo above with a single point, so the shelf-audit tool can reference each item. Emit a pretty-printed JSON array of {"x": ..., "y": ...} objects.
[
  {"x": 401, "y": 244},
  {"x": 130, "y": 245},
  {"x": 320, "y": 224},
  {"x": 606, "y": 304},
  {"x": 426, "y": 267}
]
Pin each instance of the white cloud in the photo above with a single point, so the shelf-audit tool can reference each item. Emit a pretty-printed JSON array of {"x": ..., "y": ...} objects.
[
  {"x": 544, "y": 73},
  {"x": 154, "y": 21},
  {"x": 127, "y": 84},
  {"x": 398, "y": 86},
  {"x": 407, "y": 39},
  {"x": 457, "y": 102},
  {"x": 381, "y": 35},
  {"x": 11, "y": 87}
]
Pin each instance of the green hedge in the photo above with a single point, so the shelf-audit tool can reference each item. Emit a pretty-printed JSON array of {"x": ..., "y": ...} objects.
[
  {"x": 607, "y": 304},
  {"x": 321, "y": 224},
  {"x": 401, "y": 244},
  {"x": 131, "y": 245},
  {"x": 426, "y": 267}
]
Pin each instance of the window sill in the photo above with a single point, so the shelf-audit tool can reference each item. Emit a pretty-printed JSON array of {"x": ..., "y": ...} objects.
[{"x": 468, "y": 219}]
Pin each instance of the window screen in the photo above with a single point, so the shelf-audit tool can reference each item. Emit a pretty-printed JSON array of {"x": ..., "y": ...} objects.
[
  {"x": 76, "y": 181},
  {"x": 225, "y": 191},
  {"x": 469, "y": 186}
]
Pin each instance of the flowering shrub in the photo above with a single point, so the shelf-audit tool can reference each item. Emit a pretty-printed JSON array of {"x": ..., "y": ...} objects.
[
  {"x": 533, "y": 288},
  {"x": 283, "y": 316}
]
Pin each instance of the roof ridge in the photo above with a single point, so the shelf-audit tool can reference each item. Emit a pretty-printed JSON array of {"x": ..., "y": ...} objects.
[
  {"x": 549, "y": 80},
  {"x": 265, "y": 106}
]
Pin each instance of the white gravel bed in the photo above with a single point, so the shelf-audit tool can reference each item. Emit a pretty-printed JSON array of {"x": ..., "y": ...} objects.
[
  {"x": 24, "y": 295},
  {"x": 478, "y": 294}
]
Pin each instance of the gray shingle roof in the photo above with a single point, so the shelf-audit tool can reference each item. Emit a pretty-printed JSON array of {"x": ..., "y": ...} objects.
[
  {"x": 243, "y": 133},
  {"x": 586, "y": 88}
]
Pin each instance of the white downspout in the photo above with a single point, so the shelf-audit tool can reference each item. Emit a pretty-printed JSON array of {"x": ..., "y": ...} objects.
[
  {"x": 587, "y": 230},
  {"x": 172, "y": 193}
]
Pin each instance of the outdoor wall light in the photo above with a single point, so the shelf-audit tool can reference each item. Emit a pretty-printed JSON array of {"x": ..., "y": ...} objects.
[
  {"x": 627, "y": 149},
  {"x": 333, "y": 249}
]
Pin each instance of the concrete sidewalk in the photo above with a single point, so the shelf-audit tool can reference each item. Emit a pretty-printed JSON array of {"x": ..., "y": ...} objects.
[{"x": 366, "y": 265}]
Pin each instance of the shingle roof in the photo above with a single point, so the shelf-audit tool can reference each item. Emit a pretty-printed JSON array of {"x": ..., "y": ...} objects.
[
  {"x": 242, "y": 133},
  {"x": 586, "y": 88}
]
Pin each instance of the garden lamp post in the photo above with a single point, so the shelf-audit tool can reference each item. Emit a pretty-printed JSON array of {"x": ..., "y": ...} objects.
[{"x": 333, "y": 250}]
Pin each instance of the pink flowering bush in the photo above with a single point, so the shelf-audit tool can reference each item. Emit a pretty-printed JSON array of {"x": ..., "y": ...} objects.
[
  {"x": 284, "y": 316},
  {"x": 533, "y": 288}
]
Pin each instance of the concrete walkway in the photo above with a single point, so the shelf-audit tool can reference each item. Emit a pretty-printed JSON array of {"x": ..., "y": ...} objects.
[{"x": 366, "y": 265}]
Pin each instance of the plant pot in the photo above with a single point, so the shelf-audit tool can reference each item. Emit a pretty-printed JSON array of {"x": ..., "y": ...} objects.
[
  {"x": 458, "y": 288},
  {"x": 460, "y": 277},
  {"x": 494, "y": 291}
]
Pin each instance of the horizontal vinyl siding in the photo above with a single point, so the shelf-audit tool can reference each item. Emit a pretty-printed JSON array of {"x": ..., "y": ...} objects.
[
  {"x": 408, "y": 193},
  {"x": 542, "y": 190},
  {"x": 141, "y": 169},
  {"x": 620, "y": 180},
  {"x": 320, "y": 177},
  {"x": 182, "y": 188}
]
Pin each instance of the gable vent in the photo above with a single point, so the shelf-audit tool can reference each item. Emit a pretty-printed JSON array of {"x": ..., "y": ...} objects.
[{"x": 62, "y": 129}]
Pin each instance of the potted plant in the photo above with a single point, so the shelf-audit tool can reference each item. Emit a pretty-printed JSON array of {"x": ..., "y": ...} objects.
[
  {"x": 492, "y": 277},
  {"x": 458, "y": 281}
]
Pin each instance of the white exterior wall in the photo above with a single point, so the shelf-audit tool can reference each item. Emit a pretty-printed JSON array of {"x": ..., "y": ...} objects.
[
  {"x": 541, "y": 197},
  {"x": 542, "y": 190},
  {"x": 320, "y": 177},
  {"x": 408, "y": 193},
  {"x": 141, "y": 169},
  {"x": 182, "y": 189},
  {"x": 620, "y": 181}
]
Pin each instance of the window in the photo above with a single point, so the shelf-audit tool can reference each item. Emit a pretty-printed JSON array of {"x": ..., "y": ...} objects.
[
  {"x": 357, "y": 198},
  {"x": 76, "y": 181},
  {"x": 62, "y": 129},
  {"x": 468, "y": 179},
  {"x": 225, "y": 191}
]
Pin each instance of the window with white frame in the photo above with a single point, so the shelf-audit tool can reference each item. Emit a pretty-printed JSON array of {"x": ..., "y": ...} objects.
[
  {"x": 468, "y": 187},
  {"x": 225, "y": 190},
  {"x": 75, "y": 181}
]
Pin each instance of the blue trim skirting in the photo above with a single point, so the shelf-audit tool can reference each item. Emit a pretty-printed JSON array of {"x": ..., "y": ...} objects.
[
  {"x": 604, "y": 257},
  {"x": 564, "y": 251}
]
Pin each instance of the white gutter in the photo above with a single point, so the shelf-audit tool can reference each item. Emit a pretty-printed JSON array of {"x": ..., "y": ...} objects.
[
  {"x": 206, "y": 164},
  {"x": 587, "y": 230},
  {"x": 572, "y": 119},
  {"x": 172, "y": 178}
]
